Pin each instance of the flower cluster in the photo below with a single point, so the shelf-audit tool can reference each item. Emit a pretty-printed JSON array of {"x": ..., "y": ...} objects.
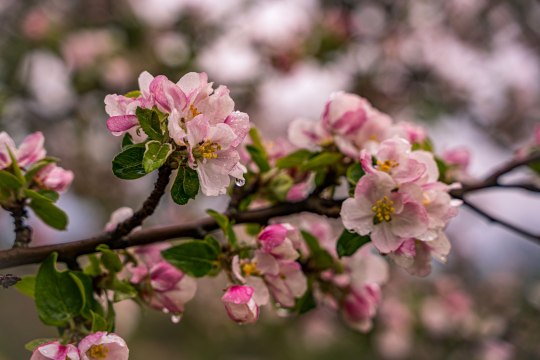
[
  {"x": 30, "y": 157},
  {"x": 198, "y": 123},
  {"x": 99, "y": 345},
  {"x": 398, "y": 200}
]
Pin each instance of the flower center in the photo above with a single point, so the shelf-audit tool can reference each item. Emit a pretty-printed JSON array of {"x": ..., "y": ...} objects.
[
  {"x": 193, "y": 111},
  {"x": 250, "y": 269},
  {"x": 387, "y": 165},
  {"x": 208, "y": 150},
  {"x": 383, "y": 209},
  {"x": 97, "y": 352}
]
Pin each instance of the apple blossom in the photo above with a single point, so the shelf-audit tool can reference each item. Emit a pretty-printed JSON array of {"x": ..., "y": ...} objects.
[
  {"x": 29, "y": 151},
  {"x": 55, "y": 351},
  {"x": 390, "y": 214},
  {"x": 54, "y": 177},
  {"x": 102, "y": 345},
  {"x": 240, "y": 304}
]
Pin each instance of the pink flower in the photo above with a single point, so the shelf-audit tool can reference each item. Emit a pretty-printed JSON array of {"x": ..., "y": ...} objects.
[
  {"x": 240, "y": 305},
  {"x": 102, "y": 345},
  {"x": 415, "y": 134},
  {"x": 30, "y": 150},
  {"x": 415, "y": 255},
  {"x": 275, "y": 241},
  {"x": 288, "y": 284},
  {"x": 459, "y": 157},
  {"x": 169, "y": 288},
  {"x": 121, "y": 111},
  {"x": 55, "y": 178},
  {"x": 395, "y": 158},
  {"x": 344, "y": 113},
  {"x": 55, "y": 351},
  {"x": 211, "y": 154},
  {"x": 118, "y": 216},
  {"x": 360, "y": 306},
  {"x": 308, "y": 134},
  {"x": 390, "y": 214}
]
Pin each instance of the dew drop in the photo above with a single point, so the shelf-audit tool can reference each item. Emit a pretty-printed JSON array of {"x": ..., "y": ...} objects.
[
  {"x": 240, "y": 182},
  {"x": 176, "y": 318},
  {"x": 165, "y": 310}
]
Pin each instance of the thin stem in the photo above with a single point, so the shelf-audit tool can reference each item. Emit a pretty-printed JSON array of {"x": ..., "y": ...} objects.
[{"x": 23, "y": 232}]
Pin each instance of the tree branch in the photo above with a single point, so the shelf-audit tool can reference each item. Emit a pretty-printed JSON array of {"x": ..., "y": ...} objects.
[
  {"x": 23, "y": 232},
  {"x": 493, "y": 181},
  {"x": 69, "y": 251}
]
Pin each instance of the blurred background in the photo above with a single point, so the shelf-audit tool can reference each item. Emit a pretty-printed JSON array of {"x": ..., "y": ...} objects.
[{"x": 469, "y": 70}]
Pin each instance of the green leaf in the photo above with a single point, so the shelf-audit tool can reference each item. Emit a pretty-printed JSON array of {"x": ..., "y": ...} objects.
[
  {"x": 58, "y": 296},
  {"x": 225, "y": 225},
  {"x": 156, "y": 155},
  {"x": 259, "y": 157},
  {"x": 34, "y": 344},
  {"x": 323, "y": 159},
  {"x": 123, "y": 290},
  {"x": 306, "y": 302},
  {"x": 349, "y": 242},
  {"x": 45, "y": 209},
  {"x": 185, "y": 186},
  {"x": 252, "y": 229},
  {"x": 354, "y": 173},
  {"x": 149, "y": 121},
  {"x": 195, "y": 258},
  {"x": 212, "y": 241},
  {"x": 15, "y": 165},
  {"x": 280, "y": 186},
  {"x": 442, "y": 167},
  {"x": 84, "y": 282},
  {"x": 8, "y": 180},
  {"x": 98, "y": 322},
  {"x": 256, "y": 139},
  {"x": 127, "y": 140},
  {"x": 49, "y": 194},
  {"x": 110, "y": 260},
  {"x": 133, "y": 94},
  {"x": 127, "y": 165},
  {"x": 320, "y": 259},
  {"x": 27, "y": 285},
  {"x": 93, "y": 268},
  {"x": 294, "y": 159}
]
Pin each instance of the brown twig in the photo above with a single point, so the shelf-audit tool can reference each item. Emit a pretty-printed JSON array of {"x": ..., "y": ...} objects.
[{"x": 23, "y": 232}]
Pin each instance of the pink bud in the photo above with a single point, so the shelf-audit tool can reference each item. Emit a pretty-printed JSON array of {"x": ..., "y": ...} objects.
[
  {"x": 240, "y": 305},
  {"x": 55, "y": 178},
  {"x": 360, "y": 305},
  {"x": 31, "y": 149},
  {"x": 458, "y": 156}
]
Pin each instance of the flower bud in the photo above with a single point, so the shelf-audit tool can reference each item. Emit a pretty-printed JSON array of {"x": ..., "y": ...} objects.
[
  {"x": 240, "y": 305},
  {"x": 55, "y": 351}
]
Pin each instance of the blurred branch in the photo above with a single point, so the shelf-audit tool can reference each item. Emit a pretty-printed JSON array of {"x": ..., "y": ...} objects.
[
  {"x": 493, "y": 181},
  {"x": 69, "y": 251}
]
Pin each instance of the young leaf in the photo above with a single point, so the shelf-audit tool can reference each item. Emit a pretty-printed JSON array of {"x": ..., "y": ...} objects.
[
  {"x": 323, "y": 159},
  {"x": 49, "y": 194},
  {"x": 259, "y": 157},
  {"x": 27, "y": 285},
  {"x": 45, "y": 209},
  {"x": 36, "y": 167},
  {"x": 110, "y": 260},
  {"x": 305, "y": 303},
  {"x": 185, "y": 186},
  {"x": 15, "y": 166},
  {"x": 58, "y": 297},
  {"x": 127, "y": 165},
  {"x": 319, "y": 258},
  {"x": 149, "y": 121},
  {"x": 126, "y": 140},
  {"x": 8, "y": 180},
  {"x": 349, "y": 242},
  {"x": 98, "y": 322},
  {"x": 195, "y": 258},
  {"x": 225, "y": 225},
  {"x": 294, "y": 159},
  {"x": 133, "y": 94},
  {"x": 155, "y": 155},
  {"x": 354, "y": 173}
]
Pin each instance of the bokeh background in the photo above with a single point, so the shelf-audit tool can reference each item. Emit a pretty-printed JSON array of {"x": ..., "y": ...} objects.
[{"x": 469, "y": 70}]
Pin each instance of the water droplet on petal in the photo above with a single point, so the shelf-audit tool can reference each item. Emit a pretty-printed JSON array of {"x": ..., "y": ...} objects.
[
  {"x": 240, "y": 182},
  {"x": 176, "y": 318},
  {"x": 165, "y": 310}
]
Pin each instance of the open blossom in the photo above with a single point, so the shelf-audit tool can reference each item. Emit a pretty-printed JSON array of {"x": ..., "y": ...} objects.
[
  {"x": 240, "y": 304},
  {"x": 395, "y": 158},
  {"x": 55, "y": 351},
  {"x": 390, "y": 214},
  {"x": 344, "y": 113},
  {"x": 211, "y": 155},
  {"x": 415, "y": 255},
  {"x": 29, "y": 151},
  {"x": 102, "y": 345}
]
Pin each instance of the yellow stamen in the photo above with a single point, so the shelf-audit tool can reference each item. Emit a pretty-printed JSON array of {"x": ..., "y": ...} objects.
[
  {"x": 208, "y": 149},
  {"x": 383, "y": 209},
  {"x": 387, "y": 165},
  {"x": 97, "y": 352},
  {"x": 250, "y": 268},
  {"x": 193, "y": 111}
]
